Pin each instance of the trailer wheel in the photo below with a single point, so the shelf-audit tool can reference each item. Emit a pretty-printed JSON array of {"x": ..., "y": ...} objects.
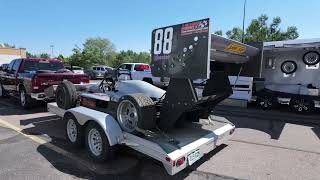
[
  {"x": 74, "y": 132},
  {"x": 136, "y": 111},
  {"x": 300, "y": 105},
  {"x": 66, "y": 95},
  {"x": 311, "y": 58},
  {"x": 97, "y": 143},
  {"x": 267, "y": 101}
]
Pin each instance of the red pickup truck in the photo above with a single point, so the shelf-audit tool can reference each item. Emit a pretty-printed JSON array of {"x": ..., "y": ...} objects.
[{"x": 28, "y": 78}]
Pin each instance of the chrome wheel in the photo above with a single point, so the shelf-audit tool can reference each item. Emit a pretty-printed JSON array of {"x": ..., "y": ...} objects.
[
  {"x": 23, "y": 98},
  {"x": 95, "y": 142},
  {"x": 72, "y": 130},
  {"x": 127, "y": 116}
]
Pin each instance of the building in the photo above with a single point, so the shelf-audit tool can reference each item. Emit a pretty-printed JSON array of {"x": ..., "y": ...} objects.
[{"x": 8, "y": 54}]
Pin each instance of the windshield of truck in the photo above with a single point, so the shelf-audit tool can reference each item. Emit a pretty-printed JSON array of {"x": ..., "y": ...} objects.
[{"x": 30, "y": 66}]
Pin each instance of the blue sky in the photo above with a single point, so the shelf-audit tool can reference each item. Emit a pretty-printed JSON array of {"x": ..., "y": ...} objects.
[{"x": 36, "y": 24}]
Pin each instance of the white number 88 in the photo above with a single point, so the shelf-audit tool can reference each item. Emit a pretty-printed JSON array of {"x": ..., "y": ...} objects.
[{"x": 166, "y": 47}]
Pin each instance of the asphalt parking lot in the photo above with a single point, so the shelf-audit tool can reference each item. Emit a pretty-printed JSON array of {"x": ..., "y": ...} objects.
[{"x": 266, "y": 145}]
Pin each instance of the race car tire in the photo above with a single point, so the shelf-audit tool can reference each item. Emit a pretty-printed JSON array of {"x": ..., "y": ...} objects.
[
  {"x": 311, "y": 58},
  {"x": 136, "y": 111},
  {"x": 66, "y": 95}
]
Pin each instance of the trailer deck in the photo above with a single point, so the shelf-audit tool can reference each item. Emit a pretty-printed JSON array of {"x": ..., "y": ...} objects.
[{"x": 177, "y": 148}]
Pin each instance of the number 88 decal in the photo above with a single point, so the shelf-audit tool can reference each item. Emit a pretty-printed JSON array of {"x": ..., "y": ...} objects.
[{"x": 163, "y": 41}]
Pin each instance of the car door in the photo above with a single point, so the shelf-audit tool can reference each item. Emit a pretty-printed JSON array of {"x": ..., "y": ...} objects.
[{"x": 8, "y": 80}]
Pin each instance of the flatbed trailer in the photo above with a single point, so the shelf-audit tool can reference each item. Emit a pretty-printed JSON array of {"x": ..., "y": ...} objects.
[{"x": 175, "y": 149}]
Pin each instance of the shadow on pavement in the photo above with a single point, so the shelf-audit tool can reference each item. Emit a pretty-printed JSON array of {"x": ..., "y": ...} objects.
[
  {"x": 316, "y": 131},
  {"x": 271, "y": 122},
  {"x": 127, "y": 163}
]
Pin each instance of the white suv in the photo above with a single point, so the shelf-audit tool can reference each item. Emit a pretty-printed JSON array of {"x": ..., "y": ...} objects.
[{"x": 140, "y": 71}]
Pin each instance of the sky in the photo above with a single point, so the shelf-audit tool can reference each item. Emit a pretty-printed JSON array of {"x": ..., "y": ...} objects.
[{"x": 37, "y": 24}]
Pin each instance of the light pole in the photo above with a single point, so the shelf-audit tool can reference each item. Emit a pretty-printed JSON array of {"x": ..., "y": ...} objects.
[
  {"x": 52, "y": 46},
  {"x": 243, "y": 20}
]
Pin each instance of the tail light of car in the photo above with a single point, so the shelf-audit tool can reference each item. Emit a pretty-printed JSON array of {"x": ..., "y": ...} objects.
[{"x": 142, "y": 67}]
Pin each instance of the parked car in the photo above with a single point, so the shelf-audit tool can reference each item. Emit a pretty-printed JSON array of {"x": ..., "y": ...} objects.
[
  {"x": 100, "y": 71},
  {"x": 76, "y": 69},
  {"x": 141, "y": 71},
  {"x": 28, "y": 78}
]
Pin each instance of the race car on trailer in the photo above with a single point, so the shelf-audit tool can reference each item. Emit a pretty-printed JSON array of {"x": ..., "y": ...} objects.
[{"x": 175, "y": 127}]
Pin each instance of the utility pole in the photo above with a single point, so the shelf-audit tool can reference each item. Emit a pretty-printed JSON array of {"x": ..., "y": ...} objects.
[
  {"x": 52, "y": 46},
  {"x": 243, "y": 20}
]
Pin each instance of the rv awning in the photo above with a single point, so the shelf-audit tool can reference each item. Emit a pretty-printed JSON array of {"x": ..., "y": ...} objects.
[{"x": 230, "y": 51}]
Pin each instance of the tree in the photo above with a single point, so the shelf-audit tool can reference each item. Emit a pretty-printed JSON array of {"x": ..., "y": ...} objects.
[
  {"x": 44, "y": 55},
  {"x": 130, "y": 56},
  {"x": 98, "y": 51},
  {"x": 61, "y": 57},
  {"x": 219, "y": 32},
  {"x": 259, "y": 30}
]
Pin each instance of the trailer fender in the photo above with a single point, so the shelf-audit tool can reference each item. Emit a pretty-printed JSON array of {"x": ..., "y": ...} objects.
[{"x": 106, "y": 121}]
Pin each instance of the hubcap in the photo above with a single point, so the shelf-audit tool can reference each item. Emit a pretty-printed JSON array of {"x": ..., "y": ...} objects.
[
  {"x": 95, "y": 142},
  {"x": 23, "y": 98},
  {"x": 72, "y": 130},
  {"x": 127, "y": 116}
]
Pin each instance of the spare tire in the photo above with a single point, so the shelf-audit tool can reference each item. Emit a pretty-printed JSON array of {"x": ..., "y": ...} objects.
[
  {"x": 311, "y": 58},
  {"x": 136, "y": 111},
  {"x": 66, "y": 95},
  {"x": 289, "y": 67}
]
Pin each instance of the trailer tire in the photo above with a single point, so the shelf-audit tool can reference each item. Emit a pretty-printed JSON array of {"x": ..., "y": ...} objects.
[
  {"x": 66, "y": 95},
  {"x": 97, "y": 144},
  {"x": 136, "y": 111},
  {"x": 74, "y": 132},
  {"x": 301, "y": 106},
  {"x": 311, "y": 58},
  {"x": 267, "y": 101}
]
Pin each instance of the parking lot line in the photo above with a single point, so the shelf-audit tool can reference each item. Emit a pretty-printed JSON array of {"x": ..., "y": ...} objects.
[{"x": 50, "y": 146}]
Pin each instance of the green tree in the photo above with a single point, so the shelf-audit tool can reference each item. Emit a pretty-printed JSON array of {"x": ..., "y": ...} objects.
[
  {"x": 259, "y": 30},
  {"x": 219, "y": 32},
  {"x": 98, "y": 51},
  {"x": 30, "y": 55},
  {"x": 44, "y": 55},
  {"x": 61, "y": 57},
  {"x": 130, "y": 56}
]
